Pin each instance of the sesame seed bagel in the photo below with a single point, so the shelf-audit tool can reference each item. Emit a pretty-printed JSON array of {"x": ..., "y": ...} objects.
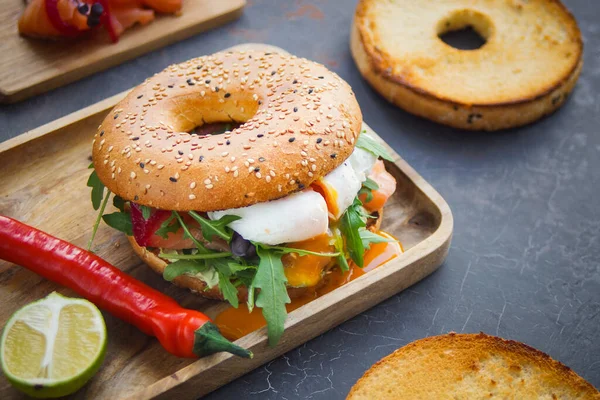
[
  {"x": 470, "y": 366},
  {"x": 300, "y": 121},
  {"x": 529, "y": 64}
]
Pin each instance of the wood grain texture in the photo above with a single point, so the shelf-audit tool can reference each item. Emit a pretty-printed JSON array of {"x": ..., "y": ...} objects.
[
  {"x": 29, "y": 67},
  {"x": 43, "y": 184}
]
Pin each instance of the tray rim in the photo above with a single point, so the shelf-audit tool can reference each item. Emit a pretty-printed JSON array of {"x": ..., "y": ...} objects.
[{"x": 432, "y": 251}]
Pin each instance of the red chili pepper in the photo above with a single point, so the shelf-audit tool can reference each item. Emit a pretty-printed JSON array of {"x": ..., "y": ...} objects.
[
  {"x": 57, "y": 22},
  {"x": 182, "y": 332}
]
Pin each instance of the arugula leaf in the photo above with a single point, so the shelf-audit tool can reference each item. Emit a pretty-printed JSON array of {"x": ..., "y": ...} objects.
[
  {"x": 351, "y": 222},
  {"x": 300, "y": 252},
  {"x": 167, "y": 227},
  {"x": 251, "y": 293},
  {"x": 97, "y": 189},
  {"x": 369, "y": 238},
  {"x": 339, "y": 246},
  {"x": 367, "y": 189},
  {"x": 119, "y": 203},
  {"x": 230, "y": 292},
  {"x": 200, "y": 269},
  {"x": 146, "y": 211},
  {"x": 273, "y": 296},
  {"x": 366, "y": 142},
  {"x": 187, "y": 234},
  {"x": 370, "y": 184},
  {"x": 97, "y": 223},
  {"x": 217, "y": 227},
  {"x": 120, "y": 221},
  {"x": 199, "y": 256}
]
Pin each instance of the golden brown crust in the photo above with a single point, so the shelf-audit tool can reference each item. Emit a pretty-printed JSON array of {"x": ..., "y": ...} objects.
[
  {"x": 198, "y": 286},
  {"x": 470, "y": 366},
  {"x": 495, "y": 87},
  {"x": 301, "y": 122}
]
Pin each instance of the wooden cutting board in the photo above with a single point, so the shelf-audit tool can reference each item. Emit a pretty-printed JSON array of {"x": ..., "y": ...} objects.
[
  {"x": 29, "y": 67},
  {"x": 43, "y": 183}
]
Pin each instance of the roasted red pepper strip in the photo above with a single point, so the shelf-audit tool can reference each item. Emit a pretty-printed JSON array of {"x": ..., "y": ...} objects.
[
  {"x": 182, "y": 332},
  {"x": 106, "y": 20},
  {"x": 57, "y": 22}
]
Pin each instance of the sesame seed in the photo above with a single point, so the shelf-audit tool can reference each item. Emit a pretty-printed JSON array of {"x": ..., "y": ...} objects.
[
  {"x": 172, "y": 179},
  {"x": 319, "y": 140},
  {"x": 333, "y": 155},
  {"x": 142, "y": 165},
  {"x": 192, "y": 197},
  {"x": 132, "y": 175},
  {"x": 227, "y": 95},
  {"x": 295, "y": 109},
  {"x": 140, "y": 96},
  {"x": 209, "y": 186},
  {"x": 201, "y": 158},
  {"x": 135, "y": 138},
  {"x": 291, "y": 139}
]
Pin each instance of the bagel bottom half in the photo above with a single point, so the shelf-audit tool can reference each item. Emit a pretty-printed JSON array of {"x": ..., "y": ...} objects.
[{"x": 198, "y": 286}]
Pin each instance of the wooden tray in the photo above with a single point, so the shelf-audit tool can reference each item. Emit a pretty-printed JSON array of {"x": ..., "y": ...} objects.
[
  {"x": 30, "y": 67},
  {"x": 43, "y": 183}
]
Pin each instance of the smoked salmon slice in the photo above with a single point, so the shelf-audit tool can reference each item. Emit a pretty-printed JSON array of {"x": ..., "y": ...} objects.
[{"x": 67, "y": 18}]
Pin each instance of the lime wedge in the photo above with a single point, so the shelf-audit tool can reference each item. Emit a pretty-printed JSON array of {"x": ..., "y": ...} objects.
[{"x": 52, "y": 347}]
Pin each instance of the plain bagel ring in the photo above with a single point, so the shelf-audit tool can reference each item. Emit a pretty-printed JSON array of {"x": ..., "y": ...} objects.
[
  {"x": 300, "y": 121},
  {"x": 529, "y": 64}
]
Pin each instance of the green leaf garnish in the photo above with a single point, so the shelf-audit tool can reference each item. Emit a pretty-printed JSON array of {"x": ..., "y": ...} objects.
[
  {"x": 369, "y": 237},
  {"x": 199, "y": 256},
  {"x": 97, "y": 223},
  {"x": 206, "y": 273},
  {"x": 217, "y": 227},
  {"x": 339, "y": 246},
  {"x": 97, "y": 189},
  {"x": 168, "y": 226},
  {"x": 350, "y": 224},
  {"x": 273, "y": 296},
  {"x": 146, "y": 211},
  {"x": 230, "y": 292},
  {"x": 366, "y": 142},
  {"x": 200, "y": 246},
  {"x": 367, "y": 189},
  {"x": 300, "y": 252},
  {"x": 119, "y": 203},
  {"x": 120, "y": 221}
]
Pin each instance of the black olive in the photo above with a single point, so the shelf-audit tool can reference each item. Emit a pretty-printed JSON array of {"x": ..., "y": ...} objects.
[{"x": 241, "y": 247}]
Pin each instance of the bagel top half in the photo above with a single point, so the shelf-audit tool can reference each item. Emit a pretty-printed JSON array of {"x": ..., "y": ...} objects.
[{"x": 300, "y": 121}]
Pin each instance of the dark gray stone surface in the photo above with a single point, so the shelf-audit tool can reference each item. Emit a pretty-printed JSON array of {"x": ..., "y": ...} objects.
[{"x": 524, "y": 263}]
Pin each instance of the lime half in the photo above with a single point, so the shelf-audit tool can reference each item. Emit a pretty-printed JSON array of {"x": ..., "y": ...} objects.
[{"x": 52, "y": 347}]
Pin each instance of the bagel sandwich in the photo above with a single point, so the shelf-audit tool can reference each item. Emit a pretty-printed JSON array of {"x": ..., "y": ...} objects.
[{"x": 244, "y": 176}]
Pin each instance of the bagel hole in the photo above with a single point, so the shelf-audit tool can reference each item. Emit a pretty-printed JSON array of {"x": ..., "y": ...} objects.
[
  {"x": 217, "y": 128},
  {"x": 464, "y": 39},
  {"x": 465, "y": 30}
]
